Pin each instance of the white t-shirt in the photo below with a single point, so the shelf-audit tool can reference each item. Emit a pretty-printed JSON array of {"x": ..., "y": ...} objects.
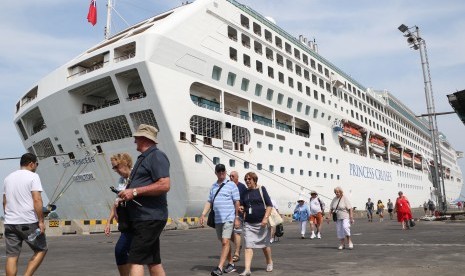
[
  {"x": 315, "y": 206},
  {"x": 17, "y": 188}
]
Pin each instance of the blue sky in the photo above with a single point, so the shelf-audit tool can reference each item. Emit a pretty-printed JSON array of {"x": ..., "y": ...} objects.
[{"x": 360, "y": 37}]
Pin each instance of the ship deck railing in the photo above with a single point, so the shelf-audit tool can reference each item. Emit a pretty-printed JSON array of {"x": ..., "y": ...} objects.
[{"x": 86, "y": 108}]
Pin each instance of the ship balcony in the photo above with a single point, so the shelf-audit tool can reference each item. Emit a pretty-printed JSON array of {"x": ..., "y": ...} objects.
[
  {"x": 125, "y": 52},
  {"x": 89, "y": 65},
  {"x": 86, "y": 108},
  {"x": 204, "y": 103}
]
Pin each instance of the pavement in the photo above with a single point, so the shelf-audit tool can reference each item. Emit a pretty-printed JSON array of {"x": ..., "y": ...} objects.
[{"x": 380, "y": 248}]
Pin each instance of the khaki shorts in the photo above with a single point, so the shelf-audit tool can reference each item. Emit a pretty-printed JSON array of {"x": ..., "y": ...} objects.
[
  {"x": 15, "y": 234},
  {"x": 224, "y": 230},
  {"x": 316, "y": 219}
]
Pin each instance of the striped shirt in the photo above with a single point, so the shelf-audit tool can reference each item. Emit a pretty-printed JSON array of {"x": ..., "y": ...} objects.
[{"x": 224, "y": 208}]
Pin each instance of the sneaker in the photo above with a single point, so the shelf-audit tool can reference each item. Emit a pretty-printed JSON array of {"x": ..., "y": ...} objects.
[
  {"x": 245, "y": 273},
  {"x": 351, "y": 246},
  {"x": 302, "y": 237},
  {"x": 340, "y": 247},
  {"x": 229, "y": 268},
  {"x": 269, "y": 267},
  {"x": 216, "y": 272},
  {"x": 318, "y": 236},
  {"x": 271, "y": 240},
  {"x": 312, "y": 236}
]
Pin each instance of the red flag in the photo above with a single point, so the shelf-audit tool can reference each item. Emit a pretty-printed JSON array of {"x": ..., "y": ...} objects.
[{"x": 92, "y": 15}]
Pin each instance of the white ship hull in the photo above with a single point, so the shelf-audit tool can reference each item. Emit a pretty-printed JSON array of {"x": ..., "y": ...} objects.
[{"x": 162, "y": 72}]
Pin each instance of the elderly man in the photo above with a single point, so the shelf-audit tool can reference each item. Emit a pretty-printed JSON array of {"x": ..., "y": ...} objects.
[
  {"x": 22, "y": 204},
  {"x": 226, "y": 206},
  {"x": 149, "y": 184},
  {"x": 237, "y": 232}
]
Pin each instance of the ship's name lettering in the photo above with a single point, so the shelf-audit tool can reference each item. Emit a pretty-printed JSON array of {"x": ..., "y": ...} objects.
[
  {"x": 77, "y": 162},
  {"x": 84, "y": 177},
  {"x": 368, "y": 172}
]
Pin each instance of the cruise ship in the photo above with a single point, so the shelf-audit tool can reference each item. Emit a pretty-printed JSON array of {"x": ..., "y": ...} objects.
[{"x": 224, "y": 84}]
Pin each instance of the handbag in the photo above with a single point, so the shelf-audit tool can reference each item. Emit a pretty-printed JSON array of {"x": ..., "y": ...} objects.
[
  {"x": 124, "y": 224},
  {"x": 335, "y": 210},
  {"x": 211, "y": 215},
  {"x": 274, "y": 218}
]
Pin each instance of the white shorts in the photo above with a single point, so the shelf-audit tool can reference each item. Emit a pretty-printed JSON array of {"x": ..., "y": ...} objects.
[{"x": 342, "y": 228}]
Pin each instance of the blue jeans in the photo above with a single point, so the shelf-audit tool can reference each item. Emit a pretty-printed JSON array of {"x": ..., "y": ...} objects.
[{"x": 122, "y": 248}]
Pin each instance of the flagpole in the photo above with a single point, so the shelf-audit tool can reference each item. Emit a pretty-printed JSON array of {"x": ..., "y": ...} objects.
[{"x": 108, "y": 26}]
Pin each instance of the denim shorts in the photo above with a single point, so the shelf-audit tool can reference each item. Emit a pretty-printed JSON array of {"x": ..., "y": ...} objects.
[{"x": 15, "y": 234}]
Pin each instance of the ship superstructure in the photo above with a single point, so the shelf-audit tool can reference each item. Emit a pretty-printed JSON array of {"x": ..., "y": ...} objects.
[{"x": 223, "y": 84}]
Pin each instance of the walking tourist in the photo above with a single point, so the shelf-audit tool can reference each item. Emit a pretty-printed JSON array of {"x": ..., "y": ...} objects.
[
  {"x": 257, "y": 208},
  {"x": 390, "y": 207},
  {"x": 317, "y": 208},
  {"x": 369, "y": 207},
  {"x": 226, "y": 207},
  {"x": 121, "y": 164},
  {"x": 149, "y": 184},
  {"x": 404, "y": 215},
  {"x": 345, "y": 217},
  {"x": 237, "y": 232},
  {"x": 24, "y": 219},
  {"x": 431, "y": 207},
  {"x": 380, "y": 210},
  {"x": 302, "y": 215}
]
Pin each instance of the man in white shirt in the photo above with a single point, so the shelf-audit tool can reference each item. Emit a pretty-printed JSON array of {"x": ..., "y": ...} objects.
[
  {"x": 316, "y": 206},
  {"x": 22, "y": 205}
]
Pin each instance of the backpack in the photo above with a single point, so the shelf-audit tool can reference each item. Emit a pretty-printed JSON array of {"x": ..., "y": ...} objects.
[
  {"x": 279, "y": 230},
  {"x": 322, "y": 205}
]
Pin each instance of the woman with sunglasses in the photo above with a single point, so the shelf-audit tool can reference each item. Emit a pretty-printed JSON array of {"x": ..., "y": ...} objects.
[
  {"x": 345, "y": 217},
  {"x": 256, "y": 205},
  {"x": 121, "y": 164}
]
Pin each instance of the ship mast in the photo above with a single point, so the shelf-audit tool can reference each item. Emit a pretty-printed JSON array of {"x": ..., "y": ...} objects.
[{"x": 108, "y": 26}]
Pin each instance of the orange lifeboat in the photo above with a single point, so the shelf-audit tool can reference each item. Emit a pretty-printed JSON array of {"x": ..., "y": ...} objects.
[
  {"x": 394, "y": 152},
  {"x": 351, "y": 135},
  {"x": 407, "y": 157},
  {"x": 377, "y": 144}
]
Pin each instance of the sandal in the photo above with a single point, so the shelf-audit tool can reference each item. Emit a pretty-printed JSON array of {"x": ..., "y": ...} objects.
[{"x": 236, "y": 258}]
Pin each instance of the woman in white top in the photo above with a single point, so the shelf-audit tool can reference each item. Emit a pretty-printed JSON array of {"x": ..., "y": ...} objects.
[{"x": 345, "y": 217}]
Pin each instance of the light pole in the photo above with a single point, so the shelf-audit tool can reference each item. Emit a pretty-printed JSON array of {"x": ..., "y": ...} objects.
[{"x": 416, "y": 42}]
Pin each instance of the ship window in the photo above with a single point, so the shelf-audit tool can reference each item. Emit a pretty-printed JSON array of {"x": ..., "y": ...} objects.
[
  {"x": 281, "y": 77},
  {"x": 314, "y": 79},
  {"x": 292, "y": 170},
  {"x": 245, "y": 84},
  {"x": 309, "y": 173},
  {"x": 259, "y": 166},
  {"x": 257, "y": 47},
  {"x": 258, "y": 90},
  {"x": 317, "y": 174},
  {"x": 270, "y": 147},
  {"x": 232, "y": 33},
  {"x": 337, "y": 177},
  {"x": 322, "y": 83},
  {"x": 231, "y": 79},
  {"x": 289, "y": 65},
  {"x": 44, "y": 149},
  {"x": 332, "y": 176},
  {"x": 240, "y": 135},
  {"x": 271, "y": 168},
  {"x": 324, "y": 175},
  {"x": 198, "y": 158},
  {"x": 244, "y": 21},
  {"x": 300, "y": 153},
  {"x": 232, "y": 53},
  {"x": 216, "y": 73},
  {"x": 281, "y": 149},
  {"x": 305, "y": 59},
  {"x": 289, "y": 102},
  {"x": 245, "y": 41},
  {"x": 323, "y": 98},
  {"x": 299, "y": 86},
  {"x": 270, "y": 72},
  {"x": 259, "y": 144},
  {"x": 107, "y": 130},
  {"x": 315, "y": 94},
  {"x": 299, "y": 106},
  {"x": 232, "y": 163},
  {"x": 280, "y": 98},
  {"x": 269, "y": 134},
  {"x": 307, "y": 110},
  {"x": 280, "y": 137},
  {"x": 246, "y": 59},
  {"x": 257, "y": 29},
  {"x": 296, "y": 53},
  {"x": 312, "y": 63},
  {"x": 298, "y": 70},
  {"x": 288, "y": 48},
  {"x": 315, "y": 113},
  {"x": 246, "y": 165},
  {"x": 269, "y": 94},
  {"x": 301, "y": 172},
  {"x": 269, "y": 54},
  {"x": 282, "y": 169},
  {"x": 216, "y": 160},
  {"x": 291, "y": 151},
  {"x": 320, "y": 69},
  {"x": 308, "y": 91},
  {"x": 280, "y": 59},
  {"x": 143, "y": 117},
  {"x": 259, "y": 66},
  {"x": 60, "y": 148},
  {"x": 278, "y": 42},
  {"x": 205, "y": 127},
  {"x": 268, "y": 36},
  {"x": 327, "y": 73}
]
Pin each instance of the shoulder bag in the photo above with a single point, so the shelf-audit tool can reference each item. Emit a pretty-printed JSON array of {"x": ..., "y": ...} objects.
[
  {"x": 274, "y": 218},
  {"x": 211, "y": 215},
  {"x": 335, "y": 210}
]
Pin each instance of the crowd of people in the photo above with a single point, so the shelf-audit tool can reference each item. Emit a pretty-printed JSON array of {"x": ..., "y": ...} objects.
[{"x": 240, "y": 213}]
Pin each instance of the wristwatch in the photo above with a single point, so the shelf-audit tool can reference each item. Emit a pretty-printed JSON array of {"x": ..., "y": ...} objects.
[{"x": 134, "y": 192}]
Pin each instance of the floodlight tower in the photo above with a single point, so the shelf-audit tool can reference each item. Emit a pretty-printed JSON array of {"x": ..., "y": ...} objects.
[{"x": 416, "y": 42}]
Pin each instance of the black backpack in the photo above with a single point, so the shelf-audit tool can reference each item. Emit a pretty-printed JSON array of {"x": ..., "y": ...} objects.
[{"x": 279, "y": 230}]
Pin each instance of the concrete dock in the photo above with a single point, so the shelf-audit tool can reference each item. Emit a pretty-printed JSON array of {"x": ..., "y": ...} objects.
[{"x": 381, "y": 248}]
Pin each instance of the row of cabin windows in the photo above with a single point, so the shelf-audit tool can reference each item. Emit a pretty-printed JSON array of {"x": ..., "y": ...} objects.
[
  {"x": 281, "y": 78},
  {"x": 271, "y": 168},
  {"x": 300, "y": 153},
  {"x": 409, "y": 186},
  {"x": 269, "y": 54},
  {"x": 245, "y": 83}
]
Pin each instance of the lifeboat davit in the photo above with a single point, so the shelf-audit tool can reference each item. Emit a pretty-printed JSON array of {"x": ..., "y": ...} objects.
[
  {"x": 394, "y": 152},
  {"x": 377, "y": 144},
  {"x": 351, "y": 135}
]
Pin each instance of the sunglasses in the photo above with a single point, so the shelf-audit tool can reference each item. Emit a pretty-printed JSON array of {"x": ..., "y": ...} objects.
[{"x": 115, "y": 167}]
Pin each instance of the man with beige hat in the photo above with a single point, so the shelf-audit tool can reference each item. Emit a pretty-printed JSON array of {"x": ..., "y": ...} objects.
[{"x": 149, "y": 182}]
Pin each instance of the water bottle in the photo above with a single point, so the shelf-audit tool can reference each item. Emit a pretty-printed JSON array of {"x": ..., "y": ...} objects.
[{"x": 34, "y": 235}]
